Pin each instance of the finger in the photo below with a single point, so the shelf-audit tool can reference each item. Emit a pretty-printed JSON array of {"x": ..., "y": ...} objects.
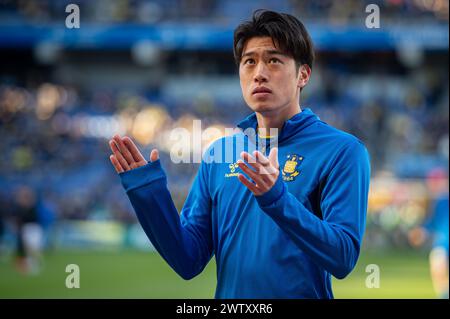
[
  {"x": 250, "y": 160},
  {"x": 135, "y": 153},
  {"x": 268, "y": 170},
  {"x": 118, "y": 155},
  {"x": 154, "y": 155},
  {"x": 123, "y": 149},
  {"x": 261, "y": 158},
  {"x": 266, "y": 166},
  {"x": 273, "y": 157},
  {"x": 257, "y": 178},
  {"x": 257, "y": 165},
  {"x": 252, "y": 187},
  {"x": 116, "y": 164}
]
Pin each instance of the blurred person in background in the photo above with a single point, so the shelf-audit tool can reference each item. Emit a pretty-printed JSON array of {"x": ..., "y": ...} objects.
[
  {"x": 436, "y": 228},
  {"x": 29, "y": 231},
  {"x": 282, "y": 229},
  {"x": 46, "y": 218},
  {"x": 2, "y": 227}
]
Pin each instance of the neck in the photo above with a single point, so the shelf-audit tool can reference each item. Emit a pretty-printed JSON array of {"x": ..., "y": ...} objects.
[{"x": 276, "y": 119}]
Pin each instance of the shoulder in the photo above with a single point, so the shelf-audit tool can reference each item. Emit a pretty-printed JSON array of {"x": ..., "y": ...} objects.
[
  {"x": 216, "y": 151},
  {"x": 340, "y": 142}
]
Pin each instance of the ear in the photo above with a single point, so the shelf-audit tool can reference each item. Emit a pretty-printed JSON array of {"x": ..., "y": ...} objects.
[{"x": 304, "y": 74}]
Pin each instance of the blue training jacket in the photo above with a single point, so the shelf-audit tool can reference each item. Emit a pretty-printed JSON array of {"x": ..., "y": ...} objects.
[{"x": 285, "y": 243}]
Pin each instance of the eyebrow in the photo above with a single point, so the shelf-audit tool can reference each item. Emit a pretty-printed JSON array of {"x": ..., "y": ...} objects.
[{"x": 266, "y": 52}]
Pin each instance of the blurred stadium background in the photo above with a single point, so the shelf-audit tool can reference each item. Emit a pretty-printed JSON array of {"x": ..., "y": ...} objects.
[{"x": 143, "y": 68}]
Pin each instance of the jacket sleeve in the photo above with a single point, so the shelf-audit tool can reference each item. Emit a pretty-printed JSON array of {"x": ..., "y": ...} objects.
[
  {"x": 332, "y": 242},
  {"x": 185, "y": 240}
]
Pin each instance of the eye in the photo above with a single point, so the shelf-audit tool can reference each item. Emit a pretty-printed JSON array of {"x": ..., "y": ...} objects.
[
  {"x": 274, "y": 60},
  {"x": 249, "y": 61}
]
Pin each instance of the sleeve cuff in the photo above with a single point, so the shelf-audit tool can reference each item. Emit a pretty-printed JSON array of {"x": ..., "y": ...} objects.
[
  {"x": 142, "y": 176},
  {"x": 273, "y": 194}
]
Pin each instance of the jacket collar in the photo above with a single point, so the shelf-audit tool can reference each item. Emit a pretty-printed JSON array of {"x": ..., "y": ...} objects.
[{"x": 290, "y": 128}]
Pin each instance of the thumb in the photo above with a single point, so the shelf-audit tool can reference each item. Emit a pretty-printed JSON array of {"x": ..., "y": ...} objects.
[
  {"x": 273, "y": 157},
  {"x": 154, "y": 155}
]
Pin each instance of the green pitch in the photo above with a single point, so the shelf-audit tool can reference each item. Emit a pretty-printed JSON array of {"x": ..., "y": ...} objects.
[{"x": 135, "y": 274}]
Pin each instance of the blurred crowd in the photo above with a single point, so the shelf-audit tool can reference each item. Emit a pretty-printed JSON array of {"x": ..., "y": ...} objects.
[
  {"x": 221, "y": 12},
  {"x": 56, "y": 119},
  {"x": 54, "y": 135}
]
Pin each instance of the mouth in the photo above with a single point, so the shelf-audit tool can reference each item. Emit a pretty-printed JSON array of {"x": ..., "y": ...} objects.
[{"x": 261, "y": 91}]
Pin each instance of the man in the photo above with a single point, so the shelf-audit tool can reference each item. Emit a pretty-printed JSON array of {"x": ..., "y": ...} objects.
[
  {"x": 29, "y": 231},
  {"x": 435, "y": 228},
  {"x": 288, "y": 220}
]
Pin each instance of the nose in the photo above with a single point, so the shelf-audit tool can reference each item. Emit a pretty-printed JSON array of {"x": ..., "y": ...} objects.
[{"x": 261, "y": 73}]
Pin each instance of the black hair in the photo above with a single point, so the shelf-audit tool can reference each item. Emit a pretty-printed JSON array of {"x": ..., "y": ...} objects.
[{"x": 288, "y": 33}]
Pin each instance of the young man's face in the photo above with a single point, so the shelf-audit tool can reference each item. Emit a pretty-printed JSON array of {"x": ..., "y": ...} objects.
[{"x": 269, "y": 78}]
